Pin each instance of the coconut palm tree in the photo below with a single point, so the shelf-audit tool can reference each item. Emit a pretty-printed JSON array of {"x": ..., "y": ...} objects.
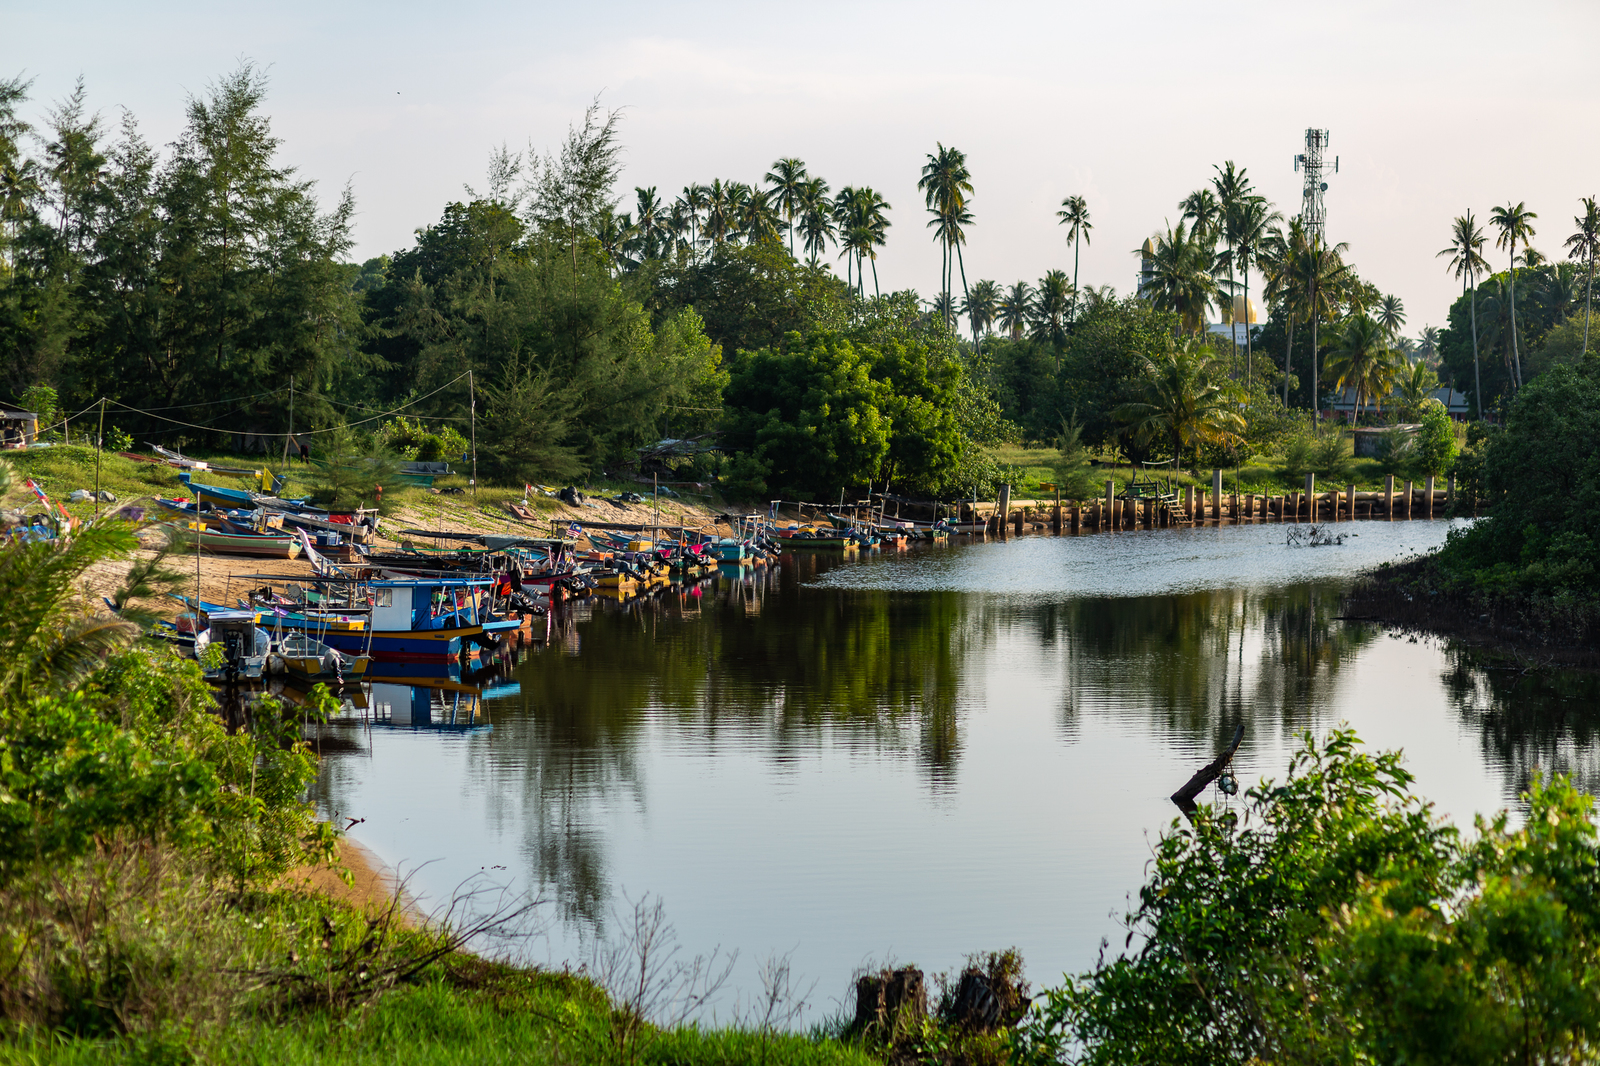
[
  {"x": 1016, "y": 308},
  {"x": 758, "y": 216},
  {"x": 721, "y": 218},
  {"x": 787, "y": 177},
  {"x": 1364, "y": 361},
  {"x": 696, "y": 198},
  {"x": 1052, "y": 307},
  {"x": 650, "y": 229},
  {"x": 1184, "y": 399},
  {"x": 1323, "y": 277},
  {"x": 1391, "y": 315},
  {"x": 1180, "y": 277},
  {"x": 1074, "y": 214},
  {"x": 872, "y": 220},
  {"x": 1515, "y": 223},
  {"x": 1414, "y": 384},
  {"x": 1201, "y": 208},
  {"x": 981, "y": 307},
  {"x": 1583, "y": 246},
  {"x": 1428, "y": 344},
  {"x": 1249, "y": 225},
  {"x": 816, "y": 218},
  {"x": 1466, "y": 251},
  {"x": 946, "y": 184}
]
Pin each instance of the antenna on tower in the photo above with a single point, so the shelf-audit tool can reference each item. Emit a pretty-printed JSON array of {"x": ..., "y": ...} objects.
[{"x": 1311, "y": 162}]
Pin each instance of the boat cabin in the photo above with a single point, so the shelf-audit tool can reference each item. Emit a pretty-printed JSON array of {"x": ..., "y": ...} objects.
[{"x": 419, "y": 606}]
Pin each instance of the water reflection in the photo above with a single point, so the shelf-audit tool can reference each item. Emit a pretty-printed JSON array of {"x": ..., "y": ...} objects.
[
  {"x": 1528, "y": 717},
  {"x": 844, "y": 754},
  {"x": 1201, "y": 663}
]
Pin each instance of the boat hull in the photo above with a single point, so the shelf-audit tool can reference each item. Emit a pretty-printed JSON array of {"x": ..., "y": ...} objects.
[{"x": 404, "y": 646}]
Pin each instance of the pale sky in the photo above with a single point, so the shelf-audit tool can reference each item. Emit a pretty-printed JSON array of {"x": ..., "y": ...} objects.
[{"x": 1433, "y": 108}]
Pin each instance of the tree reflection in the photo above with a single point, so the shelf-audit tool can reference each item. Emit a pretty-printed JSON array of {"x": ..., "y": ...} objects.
[
  {"x": 1199, "y": 664},
  {"x": 1527, "y": 718}
]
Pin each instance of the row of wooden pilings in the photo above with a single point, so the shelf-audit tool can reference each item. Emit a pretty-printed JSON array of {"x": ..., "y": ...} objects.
[{"x": 1196, "y": 507}]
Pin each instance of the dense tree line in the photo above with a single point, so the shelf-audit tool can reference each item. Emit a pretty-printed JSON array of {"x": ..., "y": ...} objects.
[{"x": 190, "y": 286}]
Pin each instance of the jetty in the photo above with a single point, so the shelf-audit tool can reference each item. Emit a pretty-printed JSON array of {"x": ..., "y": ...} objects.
[{"x": 1197, "y": 506}]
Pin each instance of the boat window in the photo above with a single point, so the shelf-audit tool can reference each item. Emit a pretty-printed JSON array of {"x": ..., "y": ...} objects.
[{"x": 383, "y": 597}]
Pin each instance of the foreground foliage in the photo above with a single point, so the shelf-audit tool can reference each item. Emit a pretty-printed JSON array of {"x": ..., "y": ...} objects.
[{"x": 1336, "y": 918}]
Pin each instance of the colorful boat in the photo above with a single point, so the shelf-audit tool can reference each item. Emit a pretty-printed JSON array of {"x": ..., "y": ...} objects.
[
  {"x": 220, "y": 543},
  {"x": 299, "y": 654},
  {"x": 243, "y": 646}
]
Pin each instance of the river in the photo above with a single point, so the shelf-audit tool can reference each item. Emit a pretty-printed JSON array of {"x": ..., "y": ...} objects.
[{"x": 924, "y": 753}]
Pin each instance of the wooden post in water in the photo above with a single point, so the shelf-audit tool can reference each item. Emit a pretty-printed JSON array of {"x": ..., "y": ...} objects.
[
  {"x": 1410, "y": 497},
  {"x": 1216, "y": 494},
  {"x": 1111, "y": 500},
  {"x": 1427, "y": 508},
  {"x": 1077, "y": 517},
  {"x": 1002, "y": 510},
  {"x": 1188, "y": 502},
  {"x": 1388, "y": 496},
  {"x": 1018, "y": 519},
  {"x": 1311, "y": 497},
  {"x": 1350, "y": 501},
  {"x": 1055, "y": 516}
]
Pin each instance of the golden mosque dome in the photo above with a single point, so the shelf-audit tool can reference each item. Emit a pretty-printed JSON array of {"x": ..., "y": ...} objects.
[
  {"x": 1243, "y": 311},
  {"x": 1149, "y": 249}
]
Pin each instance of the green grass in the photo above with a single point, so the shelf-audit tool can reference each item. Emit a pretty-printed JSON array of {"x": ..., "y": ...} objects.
[
  {"x": 1030, "y": 468},
  {"x": 469, "y": 1012}
]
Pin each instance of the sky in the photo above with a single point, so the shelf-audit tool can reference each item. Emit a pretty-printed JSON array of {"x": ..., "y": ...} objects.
[{"x": 1432, "y": 108}]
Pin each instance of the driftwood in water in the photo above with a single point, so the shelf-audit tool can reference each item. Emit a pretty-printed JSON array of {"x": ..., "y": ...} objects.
[{"x": 1184, "y": 797}]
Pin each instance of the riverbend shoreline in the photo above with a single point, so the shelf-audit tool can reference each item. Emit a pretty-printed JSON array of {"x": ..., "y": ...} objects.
[{"x": 1414, "y": 596}]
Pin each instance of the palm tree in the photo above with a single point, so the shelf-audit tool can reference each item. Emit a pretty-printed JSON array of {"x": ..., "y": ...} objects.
[
  {"x": 1391, "y": 315},
  {"x": 1233, "y": 193},
  {"x": 1582, "y": 246},
  {"x": 758, "y": 217},
  {"x": 720, "y": 220},
  {"x": 981, "y": 307},
  {"x": 1052, "y": 305},
  {"x": 1180, "y": 277},
  {"x": 1415, "y": 383},
  {"x": 816, "y": 218},
  {"x": 1364, "y": 361},
  {"x": 1515, "y": 223},
  {"x": 1074, "y": 214},
  {"x": 1428, "y": 344},
  {"x": 946, "y": 183},
  {"x": 844, "y": 207},
  {"x": 1248, "y": 228},
  {"x": 696, "y": 198},
  {"x": 50, "y": 639},
  {"x": 650, "y": 228},
  {"x": 872, "y": 220},
  {"x": 1466, "y": 252},
  {"x": 1201, "y": 208},
  {"x": 1183, "y": 400},
  {"x": 787, "y": 178},
  {"x": 1016, "y": 309},
  {"x": 1322, "y": 276}
]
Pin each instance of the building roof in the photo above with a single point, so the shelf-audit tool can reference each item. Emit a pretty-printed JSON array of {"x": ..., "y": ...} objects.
[{"x": 1454, "y": 402}]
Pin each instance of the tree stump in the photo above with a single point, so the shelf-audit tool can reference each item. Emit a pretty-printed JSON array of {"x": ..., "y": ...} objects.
[{"x": 889, "y": 998}]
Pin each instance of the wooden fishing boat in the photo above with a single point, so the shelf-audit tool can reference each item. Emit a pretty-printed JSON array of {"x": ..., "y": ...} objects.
[
  {"x": 220, "y": 543},
  {"x": 243, "y": 645},
  {"x": 299, "y": 654}
]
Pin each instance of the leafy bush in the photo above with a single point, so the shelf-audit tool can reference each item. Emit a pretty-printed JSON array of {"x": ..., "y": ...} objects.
[
  {"x": 1397, "y": 451},
  {"x": 1337, "y": 919},
  {"x": 1436, "y": 440},
  {"x": 412, "y": 441}
]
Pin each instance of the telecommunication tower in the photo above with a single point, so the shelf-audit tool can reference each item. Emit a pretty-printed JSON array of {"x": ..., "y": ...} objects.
[{"x": 1312, "y": 212}]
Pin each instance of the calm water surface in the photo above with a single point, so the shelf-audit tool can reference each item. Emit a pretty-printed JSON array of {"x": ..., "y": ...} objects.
[{"x": 927, "y": 753}]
